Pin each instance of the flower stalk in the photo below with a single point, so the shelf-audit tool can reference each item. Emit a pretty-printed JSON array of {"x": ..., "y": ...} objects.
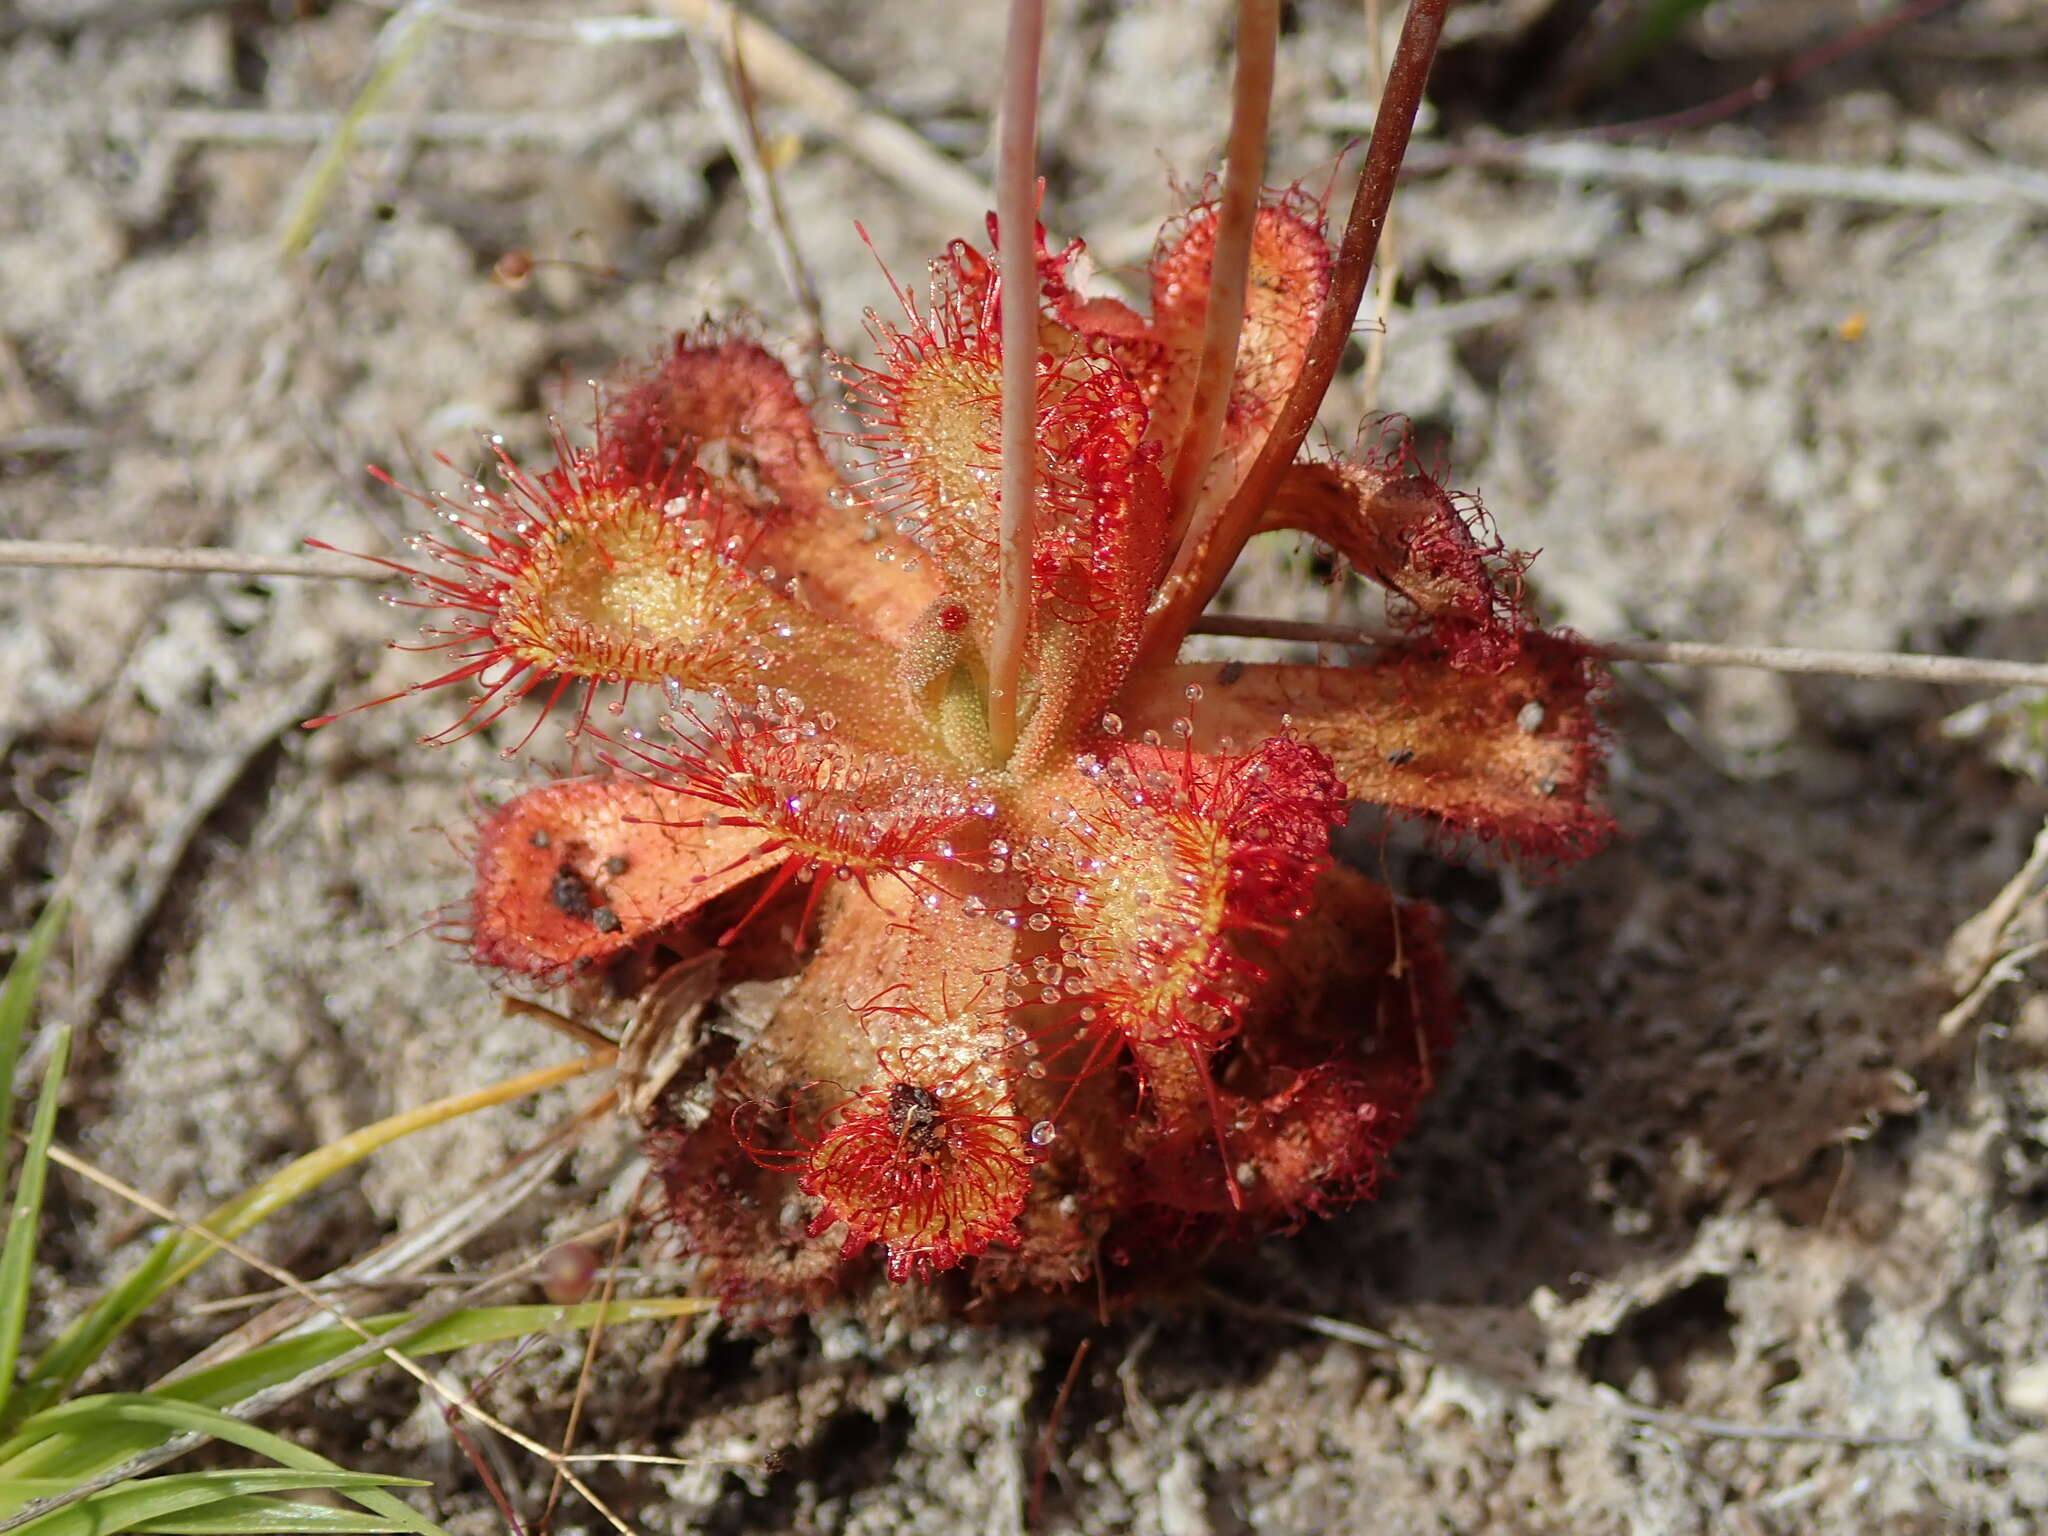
[{"x": 1017, "y": 218}]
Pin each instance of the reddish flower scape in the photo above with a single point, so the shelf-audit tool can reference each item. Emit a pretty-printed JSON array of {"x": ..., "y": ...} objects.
[{"x": 1050, "y": 1014}]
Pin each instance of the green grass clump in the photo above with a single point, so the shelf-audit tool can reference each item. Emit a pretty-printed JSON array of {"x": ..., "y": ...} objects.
[{"x": 86, "y": 1464}]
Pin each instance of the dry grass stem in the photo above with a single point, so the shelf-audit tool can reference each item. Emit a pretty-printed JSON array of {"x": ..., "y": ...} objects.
[
  {"x": 205, "y": 562},
  {"x": 1583, "y": 160},
  {"x": 1892, "y": 666},
  {"x": 401, "y": 1257},
  {"x": 722, "y": 71},
  {"x": 787, "y": 73},
  {"x": 1886, "y": 666},
  {"x": 591, "y": 1339}
]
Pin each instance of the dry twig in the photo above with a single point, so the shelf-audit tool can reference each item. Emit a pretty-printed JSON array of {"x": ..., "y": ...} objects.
[
  {"x": 207, "y": 562},
  {"x": 1584, "y": 160},
  {"x": 1885, "y": 666},
  {"x": 789, "y": 74},
  {"x": 722, "y": 71},
  {"x": 1980, "y": 957},
  {"x": 1880, "y": 666}
]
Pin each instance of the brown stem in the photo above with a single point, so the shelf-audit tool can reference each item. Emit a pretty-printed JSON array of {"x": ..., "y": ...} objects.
[
  {"x": 214, "y": 562},
  {"x": 1017, "y": 228},
  {"x": 1258, "y": 38},
  {"x": 1194, "y": 582},
  {"x": 1891, "y": 666}
]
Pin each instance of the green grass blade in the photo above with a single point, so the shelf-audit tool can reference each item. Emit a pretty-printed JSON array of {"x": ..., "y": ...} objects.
[
  {"x": 17, "y": 1002},
  {"x": 86, "y": 1339},
  {"x": 220, "y": 1386},
  {"x": 190, "y": 1500},
  {"x": 17, "y": 1491},
  {"x": 179, "y": 1254},
  {"x": 403, "y": 37},
  {"x": 78, "y": 1457},
  {"x": 93, "y": 1421},
  {"x": 268, "y": 1364},
  {"x": 19, "y": 1254},
  {"x": 268, "y": 1517}
]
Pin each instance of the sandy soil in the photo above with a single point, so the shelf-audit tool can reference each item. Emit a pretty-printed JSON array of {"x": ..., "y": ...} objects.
[{"x": 1701, "y": 1153}]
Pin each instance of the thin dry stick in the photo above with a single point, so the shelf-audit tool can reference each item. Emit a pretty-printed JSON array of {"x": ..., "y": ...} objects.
[
  {"x": 1048, "y": 1437},
  {"x": 719, "y": 67},
  {"x": 1896, "y": 666},
  {"x": 1251, "y": 101},
  {"x": 1883, "y": 666},
  {"x": 1580, "y": 160},
  {"x": 2009, "y": 966},
  {"x": 787, "y": 73},
  {"x": 1206, "y": 555},
  {"x": 402, "y": 1256},
  {"x": 590, "y": 1343},
  {"x": 211, "y": 562},
  {"x": 387, "y": 1345},
  {"x": 1978, "y": 959},
  {"x": 1891, "y": 666},
  {"x": 1017, "y": 229}
]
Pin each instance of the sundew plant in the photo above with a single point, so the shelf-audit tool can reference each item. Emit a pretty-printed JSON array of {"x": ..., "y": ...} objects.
[{"x": 1074, "y": 989}]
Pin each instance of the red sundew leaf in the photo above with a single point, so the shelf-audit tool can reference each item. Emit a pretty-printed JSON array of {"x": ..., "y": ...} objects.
[
  {"x": 1436, "y": 552},
  {"x": 581, "y": 579},
  {"x": 1099, "y": 536},
  {"x": 1290, "y": 273},
  {"x": 736, "y": 1218},
  {"x": 971, "y": 276},
  {"x": 1153, "y": 863},
  {"x": 838, "y": 809},
  {"x": 723, "y": 409},
  {"x": 931, "y": 411},
  {"x": 925, "y": 1153},
  {"x": 585, "y": 579},
  {"x": 876, "y": 1091},
  {"x": 1098, "y": 549},
  {"x": 1099, "y": 325},
  {"x": 1512, "y": 756},
  {"x": 1339, "y": 1049},
  {"x": 931, "y": 1166},
  {"x": 572, "y": 874}
]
